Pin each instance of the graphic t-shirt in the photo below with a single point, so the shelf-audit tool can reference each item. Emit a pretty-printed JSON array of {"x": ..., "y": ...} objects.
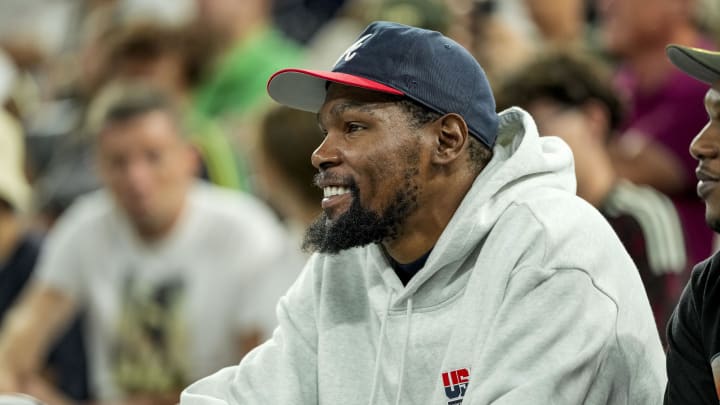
[{"x": 163, "y": 315}]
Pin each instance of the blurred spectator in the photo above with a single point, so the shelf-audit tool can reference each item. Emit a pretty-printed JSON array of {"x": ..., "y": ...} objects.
[
  {"x": 173, "y": 60},
  {"x": 19, "y": 250},
  {"x": 570, "y": 96},
  {"x": 168, "y": 269},
  {"x": 301, "y": 19},
  {"x": 287, "y": 138},
  {"x": 505, "y": 34},
  {"x": 664, "y": 114},
  {"x": 250, "y": 49}
]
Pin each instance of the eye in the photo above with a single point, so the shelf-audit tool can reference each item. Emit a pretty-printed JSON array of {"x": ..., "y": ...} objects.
[{"x": 353, "y": 127}]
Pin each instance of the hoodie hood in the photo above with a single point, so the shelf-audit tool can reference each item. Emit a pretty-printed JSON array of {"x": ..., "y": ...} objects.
[{"x": 523, "y": 163}]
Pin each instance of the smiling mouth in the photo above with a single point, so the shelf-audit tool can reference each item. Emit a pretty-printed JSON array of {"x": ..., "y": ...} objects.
[
  {"x": 333, "y": 191},
  {"x": 336, "y": 199}
]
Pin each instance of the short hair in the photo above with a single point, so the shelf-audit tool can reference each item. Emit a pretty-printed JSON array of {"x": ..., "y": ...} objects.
[
  {"x": 568, "y": 77},
  {"x": 288, "y": 137},
  {"x": 420, "y": 115},
  {"x": 140, "y": 42},
  {"x": 123, "y": 101}
]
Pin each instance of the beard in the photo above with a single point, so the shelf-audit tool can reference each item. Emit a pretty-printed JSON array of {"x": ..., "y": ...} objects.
[{"x": 360, "y": 226}]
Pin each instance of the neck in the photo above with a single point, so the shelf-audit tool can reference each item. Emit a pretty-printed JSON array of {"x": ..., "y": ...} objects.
[
  {"x": 155, "y": 231},
  {"x": 423, "y": 228}
]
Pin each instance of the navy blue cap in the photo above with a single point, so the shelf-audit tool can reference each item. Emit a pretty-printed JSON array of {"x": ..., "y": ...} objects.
[{"x": 392, "y": 58}]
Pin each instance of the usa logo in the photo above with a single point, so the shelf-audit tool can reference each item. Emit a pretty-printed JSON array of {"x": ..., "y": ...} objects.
[{"x": 456, "y": 383}]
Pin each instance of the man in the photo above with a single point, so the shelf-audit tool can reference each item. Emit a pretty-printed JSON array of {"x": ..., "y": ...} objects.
[
  {"x": 248, "y": 48},
  {"x": 663, "y": 113},
  {"x": 172, "y": 59},
  {"x": 165, "y": 267},
  {"x": 453, "y": 261},
  {"x": 568, "y": 94},
  {"x": 694, "y": 333}
]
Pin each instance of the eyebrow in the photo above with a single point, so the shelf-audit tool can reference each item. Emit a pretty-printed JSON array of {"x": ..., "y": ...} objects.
[{"x": 340, "y": 108}]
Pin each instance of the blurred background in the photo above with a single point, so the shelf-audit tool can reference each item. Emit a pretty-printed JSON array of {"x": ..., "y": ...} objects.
[{"x": 593, "y": 72}]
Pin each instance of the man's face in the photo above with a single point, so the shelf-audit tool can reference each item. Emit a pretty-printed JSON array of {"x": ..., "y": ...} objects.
[
  {"x": 370, "y": 170},
  {"x": 148, "y": 167},
  {"x": 706, "y": 149}
]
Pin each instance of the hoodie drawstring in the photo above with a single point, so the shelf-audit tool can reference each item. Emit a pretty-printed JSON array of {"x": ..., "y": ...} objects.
[
  {"x": 404, "y": 351},
  {"x": 379, "y": 350}
]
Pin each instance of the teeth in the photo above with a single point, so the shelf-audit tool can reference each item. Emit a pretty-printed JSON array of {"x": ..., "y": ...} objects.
[{"x": 332, "y": 191}]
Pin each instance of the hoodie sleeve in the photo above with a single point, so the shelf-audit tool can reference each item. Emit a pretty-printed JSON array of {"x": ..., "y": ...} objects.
[
  {"x": 550, "y": 337},
  {"x": 282, "y": 370}
]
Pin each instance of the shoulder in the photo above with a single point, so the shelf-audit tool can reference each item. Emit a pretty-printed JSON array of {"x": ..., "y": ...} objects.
[
  {"x": 705, "y": 278},
  {"x": 561, "y": 215},
  {"x": 230, "y": 219},
  {"x": 230, "y": 205},
  {"x": 86, "y": 215},
  {"x": 561, "y": 231}
]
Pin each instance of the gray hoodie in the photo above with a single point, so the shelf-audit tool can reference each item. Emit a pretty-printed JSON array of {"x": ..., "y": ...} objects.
[{"x": 528, "y": 297}]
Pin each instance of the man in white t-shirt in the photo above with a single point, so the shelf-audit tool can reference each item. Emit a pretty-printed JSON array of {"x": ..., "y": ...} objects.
[{"x": 172, "y": 274}]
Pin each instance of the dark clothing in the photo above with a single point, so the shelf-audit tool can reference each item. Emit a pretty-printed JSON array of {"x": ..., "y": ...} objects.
[
  {"x": 66, "y": 361},
  {"x": 406, "y": 271},
  {"x": 649, "y": 228},
  {"x": 693, "y": 364}
]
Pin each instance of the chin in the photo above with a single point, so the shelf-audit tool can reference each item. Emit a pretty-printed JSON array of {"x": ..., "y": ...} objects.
[
  {"x": 712, "y": 217},
  {"x": 713, "y": 223}
]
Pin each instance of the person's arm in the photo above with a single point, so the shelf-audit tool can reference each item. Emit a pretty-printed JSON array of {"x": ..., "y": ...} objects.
[
  {"x": 690, "y": 378},
  {"x": 27, "y": 333},
  {"x": 645, "y": 161},
  {"x": 282, "y": 370},
  {"x": 554, "y": 341}
]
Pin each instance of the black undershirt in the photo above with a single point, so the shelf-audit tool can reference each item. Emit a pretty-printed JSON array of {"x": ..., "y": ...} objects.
[{"x": 406, "y": 271}]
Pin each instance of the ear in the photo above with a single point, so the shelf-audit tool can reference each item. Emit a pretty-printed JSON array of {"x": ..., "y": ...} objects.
[
  {"x": 194, "y": 158},
  {"x": 452, "y": 135}
]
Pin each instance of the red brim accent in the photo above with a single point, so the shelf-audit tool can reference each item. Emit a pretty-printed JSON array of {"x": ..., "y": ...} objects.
[{"x": 305, "y": 89}]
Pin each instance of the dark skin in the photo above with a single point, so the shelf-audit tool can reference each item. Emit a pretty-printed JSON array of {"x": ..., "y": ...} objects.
[
  {"x": 706, "y": 149},
  {"x": 369, "y": 139}
]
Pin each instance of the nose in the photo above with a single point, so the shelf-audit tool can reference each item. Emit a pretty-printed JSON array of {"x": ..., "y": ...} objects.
[
  {"x": 138, "y": 176},
  {"x": 706, "y": 143},
  {"x": 326, "y": 155}
]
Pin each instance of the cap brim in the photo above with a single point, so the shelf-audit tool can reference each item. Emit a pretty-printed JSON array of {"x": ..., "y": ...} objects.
[
  {"x": 701, "y": 64},
  {"x": 305, "y": 89}
]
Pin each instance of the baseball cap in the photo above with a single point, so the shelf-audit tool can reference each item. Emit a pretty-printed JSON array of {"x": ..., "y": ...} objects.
[
  {"x": 393, "y": 58},
  {"x": 699, "y": 63},
  {"x": 14, "y": 187}
]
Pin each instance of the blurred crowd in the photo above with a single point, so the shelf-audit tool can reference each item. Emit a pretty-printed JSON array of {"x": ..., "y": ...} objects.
[{"x": 153, "y": 198}]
